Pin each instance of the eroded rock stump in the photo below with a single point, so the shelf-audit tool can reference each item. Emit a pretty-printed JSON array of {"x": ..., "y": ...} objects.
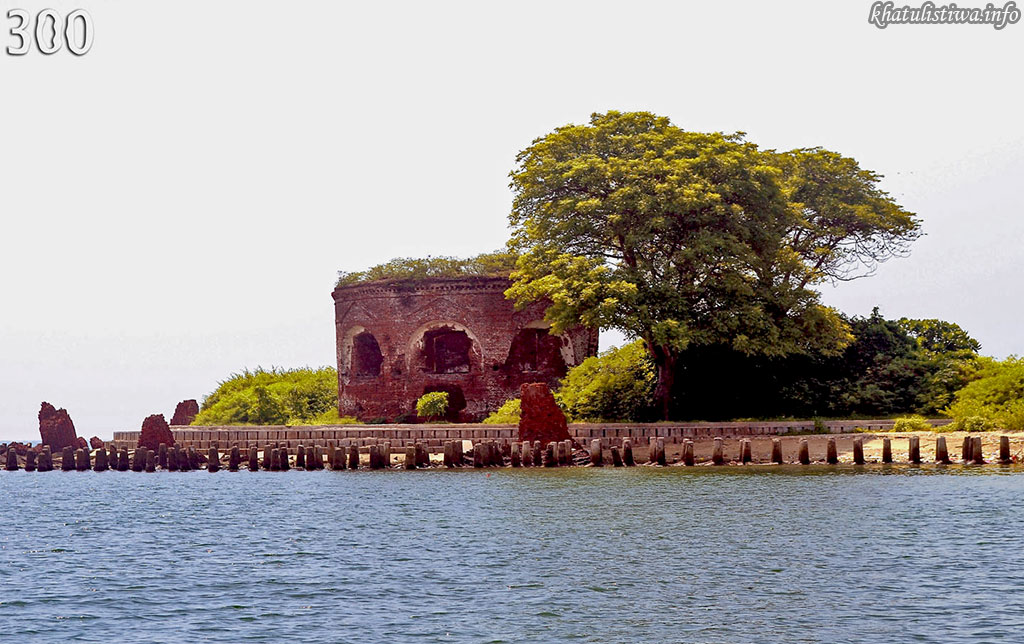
[
  {"x": 155, "y": 430},
  {"x": 542, "y": 419}
]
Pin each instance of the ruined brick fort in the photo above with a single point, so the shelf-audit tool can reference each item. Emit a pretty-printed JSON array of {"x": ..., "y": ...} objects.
[{"x": 397, "y": 340}]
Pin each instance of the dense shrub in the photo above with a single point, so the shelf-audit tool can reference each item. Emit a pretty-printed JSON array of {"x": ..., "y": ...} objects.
[
  {"x": 432, "y": 405},
  {"x": 913, "y": 423},
  {"x": 410, "y": 268},
  {"x": 273, "y": 397},
  {"x": 507, "y": 414},
  {"x": 616, "y": 385},
  {"x": 994, "y": 400},
  {"x": 891, "y": 367}
]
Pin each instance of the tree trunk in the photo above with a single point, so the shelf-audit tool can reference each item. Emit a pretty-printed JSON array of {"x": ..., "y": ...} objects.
[{"x": 665, "y": 359}]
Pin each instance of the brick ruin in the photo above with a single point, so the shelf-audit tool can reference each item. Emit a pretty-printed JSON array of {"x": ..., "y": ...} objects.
[{"x": 397, "y": 340}]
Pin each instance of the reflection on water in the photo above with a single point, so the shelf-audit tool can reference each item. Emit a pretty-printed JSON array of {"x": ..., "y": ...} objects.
[{"x": 785, "y": 554}]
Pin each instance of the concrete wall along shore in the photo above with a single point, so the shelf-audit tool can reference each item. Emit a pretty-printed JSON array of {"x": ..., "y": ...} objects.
[{"x": 433, "y": 436}]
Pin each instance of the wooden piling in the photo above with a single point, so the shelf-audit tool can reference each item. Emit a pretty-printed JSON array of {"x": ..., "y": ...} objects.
[
  {"x": 777, "y": 451},
  {"x": 805, "y": 452},
  {"x": 977, "y": 452},
  {"x": 652, "y": 450},
  {"x": 275, "y": 459},
  {"x": 458, "y": 458},
  {"x": 138, "y": 460},
  {"x": 858, "y": 451},
  {"x": 831, "y": 452},
  {"x": 967, "y": 449},
  {"x": 550, "y": 458},
  {"x": 410, "y": 457},
  {"x": 12, "y": 460},
  {"x": 67, "y": 459},
  {"x": 914, "y": 449},
  {"x": 688, "y": 459},
  {"x": 337, "y": 458},
  {"x": 212, "y": 460},
  {"x": 627, "y": 453},
  {"x": 478, "y": 455},
  {"x": 387, "y": 454},
  {"x": 30, "y": 461},
  {"x": 300, "y": 457},
  {"x": 234, "y": 458},
  {"x": 527, "y": 457},
  {"x": 616, "y": 457},
  {"x": 150, "y": 460},
  {"x": 887, "y": 450},
  {"x": 82, "y": 460},
  {"x": 1004, "y": 450},
  {"x": 122, "y": 460},
  {"x": 282, "y": 458},
  {"x": 374, "y": 457},
  {"x": 353, "y": 457},
  {"x": 717, "y": 453},
  {"x": 161, "y": 453},
  {"x": 660, "y": 443},
  {"x": 193, "y": 458},
  {"x": 46, "y": 460},
  {"x": 941, "y": 453},
  {"x": 422, "y": 455},
  {"x": 254, "y": 459},
  {"x": 745, "y": 452},
  {"x": 515, "y": 455},
  {"x": 538, "y": 454},
  {"x": 595, "y": 453}
]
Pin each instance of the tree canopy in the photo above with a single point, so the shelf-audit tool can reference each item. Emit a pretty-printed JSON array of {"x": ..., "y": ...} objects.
[{"x": 689, "y": 239}]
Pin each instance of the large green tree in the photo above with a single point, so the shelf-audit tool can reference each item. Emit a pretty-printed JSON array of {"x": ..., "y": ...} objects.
[{"x": 689, "y": 239}]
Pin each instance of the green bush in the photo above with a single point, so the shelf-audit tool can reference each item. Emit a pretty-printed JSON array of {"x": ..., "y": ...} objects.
[
  {"x": 508, "y": 414},
  {"x": 499, "y": 263},
  {"x": 617, "y": 385},
  {"x": 432, "y": 405},
  {"x": 273, "y": 397},
  {"x": 972, "y": 424},
  {"x": 994, "y": 400},
  {"x": 913, "y": 423}
]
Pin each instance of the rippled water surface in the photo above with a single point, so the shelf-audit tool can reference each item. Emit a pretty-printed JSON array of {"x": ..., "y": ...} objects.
[{"x": 638, "y": 555}]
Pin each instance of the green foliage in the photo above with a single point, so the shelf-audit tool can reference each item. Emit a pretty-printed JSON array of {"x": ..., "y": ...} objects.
[
  {"x": 616, "y": 385},
  {"x": 508, "y": 414},
  {"x": 407, "y": 268},
  {"x": 912, "y": 423},
  {"x": 273, "y": 397},
  {"x": 432, "y": 405},
  {"x": 329, "y": 417},
  {"x": 972, "y": 424},
  {"x": 688, "y": 239},
  {"x": 885, "y": 371},
  {"x": 994, "y": 400}
]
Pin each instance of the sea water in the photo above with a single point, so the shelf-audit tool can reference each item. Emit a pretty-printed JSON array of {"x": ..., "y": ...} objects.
[{"x": 755, "y": 554}]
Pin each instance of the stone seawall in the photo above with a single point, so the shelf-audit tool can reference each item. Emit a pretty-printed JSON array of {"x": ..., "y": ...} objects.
[{"x": 435, "y": 435}]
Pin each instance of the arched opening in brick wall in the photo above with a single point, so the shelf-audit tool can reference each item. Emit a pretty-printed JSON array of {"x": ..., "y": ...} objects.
[
  {"x": 456, "y": 399},
  {"x": 446, "y": 350},
  {"x": 366, "y": 356},
  {"x": 536, "y": 350}
]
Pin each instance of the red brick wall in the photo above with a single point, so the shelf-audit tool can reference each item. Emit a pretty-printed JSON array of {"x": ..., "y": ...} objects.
[{"x": 404, "y": 316}]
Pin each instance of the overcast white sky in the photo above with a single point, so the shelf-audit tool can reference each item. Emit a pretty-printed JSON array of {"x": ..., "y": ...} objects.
[{"x": 175, "y": 204}]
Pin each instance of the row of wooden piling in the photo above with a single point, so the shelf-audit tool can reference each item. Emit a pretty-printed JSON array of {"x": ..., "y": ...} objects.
[{"x": 484, "y": 454}]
